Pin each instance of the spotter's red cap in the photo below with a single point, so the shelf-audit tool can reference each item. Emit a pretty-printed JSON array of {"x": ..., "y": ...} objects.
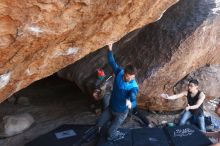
[{"x": 100, "y": 72}]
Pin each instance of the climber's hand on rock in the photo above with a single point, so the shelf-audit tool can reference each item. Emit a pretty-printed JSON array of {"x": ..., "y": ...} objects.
[{"x": 110, "y": 46}]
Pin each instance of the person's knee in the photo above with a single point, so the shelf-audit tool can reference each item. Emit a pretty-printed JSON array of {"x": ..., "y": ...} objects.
[
  {"x": 122, "y": 118},
  {"x": 182, "y": 122}
]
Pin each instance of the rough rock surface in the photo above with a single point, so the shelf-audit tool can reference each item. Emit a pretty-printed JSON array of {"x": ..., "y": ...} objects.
[
  {"x": 39, "y": 37},
  {"x": 186, "y": 38},
  {"x": 209, "y": 81}
]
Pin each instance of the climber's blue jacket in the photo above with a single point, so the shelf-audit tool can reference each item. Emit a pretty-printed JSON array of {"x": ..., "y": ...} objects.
[{"x": 121, "y": 90}]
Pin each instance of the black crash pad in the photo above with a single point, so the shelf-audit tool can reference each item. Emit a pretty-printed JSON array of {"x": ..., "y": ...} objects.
[
  {"x": 137, "y": 137},
  {"x": 187, "y": 135},
  {"x": 149, "y": 137},
  {"x": 170, "y": 136},
  {"x": 50, "y": 139}
]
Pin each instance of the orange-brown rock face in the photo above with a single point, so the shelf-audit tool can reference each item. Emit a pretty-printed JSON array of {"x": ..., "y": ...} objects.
[
  {"x": 39, "y": 37},
  {"x": 186, "y": 38}
]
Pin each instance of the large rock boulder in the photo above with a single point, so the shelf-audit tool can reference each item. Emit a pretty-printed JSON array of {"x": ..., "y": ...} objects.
[
  {"x": 16, "y": 124},
  {"x": 39, "y": 37},
  {"x": 186, "y": 38}
]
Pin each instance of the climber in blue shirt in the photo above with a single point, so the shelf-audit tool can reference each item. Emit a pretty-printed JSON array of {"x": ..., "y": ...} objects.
[{"x": 123, "y": 98}]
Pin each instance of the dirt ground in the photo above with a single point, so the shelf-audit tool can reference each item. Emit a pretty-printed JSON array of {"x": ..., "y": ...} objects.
[{"x": 54, "y": 102}]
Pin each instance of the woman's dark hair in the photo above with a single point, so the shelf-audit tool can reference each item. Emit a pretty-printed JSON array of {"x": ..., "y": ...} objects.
[
  {"x": 130, "y": 69},
  {"x": 194, "y": 81}
]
